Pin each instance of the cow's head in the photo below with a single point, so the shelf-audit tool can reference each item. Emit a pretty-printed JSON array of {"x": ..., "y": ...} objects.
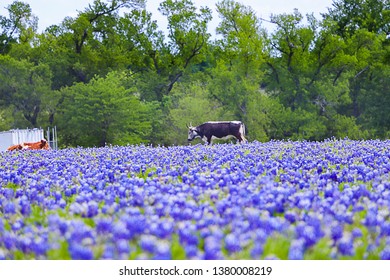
[
  {"x": 44, "y": 145},
  {"x": 192, "y": 133}
]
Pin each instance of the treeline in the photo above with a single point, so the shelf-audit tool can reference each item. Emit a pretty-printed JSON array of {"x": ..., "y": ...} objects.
[{"x": 111, "y": 76}]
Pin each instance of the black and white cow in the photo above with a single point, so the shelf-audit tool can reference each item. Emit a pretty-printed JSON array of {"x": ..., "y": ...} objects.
[{"x": 209, "y": 131}]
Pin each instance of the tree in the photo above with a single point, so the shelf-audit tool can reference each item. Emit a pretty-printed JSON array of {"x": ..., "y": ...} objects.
[
  {"x": 309, "y": 71},
  {"x": 239, "y": 57},
  {"x": 190, "y": 103},
  {"x": 84, "y": 46},
  {"x": 242, "y": 38},
  {"x": 19, "y": 27},
  {"x": 144, "y": 52},
  {"x": 104, "y": 112},
  {"x": 24, "y": 86},
  {"x": 188, "y": 37},
  {"x": 364, "y": 26},
  {"x": 352, "y": 15},
  {"x": 96, "y": 20}
]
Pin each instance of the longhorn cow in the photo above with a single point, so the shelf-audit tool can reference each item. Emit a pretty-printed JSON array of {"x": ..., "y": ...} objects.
[{"x": 209, "y": 131}]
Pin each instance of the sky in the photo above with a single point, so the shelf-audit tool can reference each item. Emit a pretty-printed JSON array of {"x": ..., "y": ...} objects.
[{"x": 52, "y": 12}]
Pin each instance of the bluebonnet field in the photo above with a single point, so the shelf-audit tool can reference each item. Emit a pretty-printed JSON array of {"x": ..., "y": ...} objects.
[{"x": 281, "y": 199}]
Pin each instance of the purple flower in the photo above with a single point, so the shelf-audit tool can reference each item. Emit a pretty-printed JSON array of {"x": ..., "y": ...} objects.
[
  {"x": 356, "y": 233},
  {"x": 80, "y": 252},
  {"x": 187, "y": 234},
  {"x": 40, "y": 247},
  {"x": 257, "y": 250},
  {"x": 25, "y": 207},
  {"x": 17, "y": 225},
  {"x": 103, "y": 225},
  {"x": 2, "y": 255},
  {"x": 93, "y": 209},
  {"x": 135, "y": 224},
  {"x": 290, "y": 216},
  {"x": 123, "y": 246},
  {"x": 191, "y": 251},
  {"x": 385, "y": 254},
  {"x": 57, "y": 195},
  {"x": 212, "y": 248},
  {"x": 109, "y": 252},
  {"x": 385, "y": 228},
  {"x": 345, "y": 246},
  {"x": 9, "y": 208},
  {"x": 162, "y": 251},
  {"x": 336, "y": 231},
  {"x": 307, "y": 233},
  {"x": 148, "y": 243},
  {"x": 371, "y": 218},
  {"x": 232, "y": 243},
  {"x": 8, "y": 193},
  {"x": 9, "y": 240},
  {"x": 297, "y": 249},
  {"x": 120, "y": 231},
  {"x": 80, "y": 232},
  {"x": 1, "y": 225}
]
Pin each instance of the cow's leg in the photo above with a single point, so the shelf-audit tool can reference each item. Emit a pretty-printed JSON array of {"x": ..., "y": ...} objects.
[
  {"x": 241, "y": 134},
  {"x": 241, "y": 139}
]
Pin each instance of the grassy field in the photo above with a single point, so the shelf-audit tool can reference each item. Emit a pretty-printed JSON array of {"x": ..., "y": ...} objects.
[{"x": 275, "y": 200}]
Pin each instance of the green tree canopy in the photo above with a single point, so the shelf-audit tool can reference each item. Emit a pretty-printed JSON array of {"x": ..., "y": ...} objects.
[{"x": 105, "y": 112}]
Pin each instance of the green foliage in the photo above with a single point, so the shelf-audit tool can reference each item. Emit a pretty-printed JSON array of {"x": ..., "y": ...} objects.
[
  {"x": 343, "y": 126},
  {"x": 12, "y": 186},
  {"x": 105, "y": 112},
  {"x": 319, "y": 251},
  {"x": 6, "y": 118},
  {"x": 190, "y": 104},
  {"x": 145, "y": 174},
  {"x": 24, "y": 86},
  {"x": 309, "y": 78},
  {"x": 276, "y": 246},
  {"x": 19, "y": 27},
  {"x": 352, "y": 15},
  {"x": 62, "y": 253},
  {"x": 266, "y": 118},
  {"x": 177, "y": 250}
]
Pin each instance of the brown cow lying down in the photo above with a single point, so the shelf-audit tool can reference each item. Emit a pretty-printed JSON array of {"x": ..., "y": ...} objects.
[{"x": 40, "y": 145}]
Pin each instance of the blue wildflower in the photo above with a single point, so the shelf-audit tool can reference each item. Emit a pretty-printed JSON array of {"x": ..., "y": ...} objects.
[
  {"x": 232, "y": 243},
  {"x": 385, "y": 254},
  {"x": 10, "y": 208},
  {"x": 297, "y": 249},
  {"x": 191, "y": 251},
  {"x": 212, "y": 248},
  {"x": 356, "y": 233},
  {"x": 162, "y": 251},
  {"x": 120, "y": 231},
  {"x": 257, "y": 250},
  {"x": 108, "y": 252},
  {"x": 148, "y": 243},
  {"x": 103, "y": 225},
  {"x": 8, "y": 193},
  {"x": 345, "y": 246},
  {"x": 80, "y": 252},
  {"x": 123, "y": 246},
  {"x": 336, "y": 231}
]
